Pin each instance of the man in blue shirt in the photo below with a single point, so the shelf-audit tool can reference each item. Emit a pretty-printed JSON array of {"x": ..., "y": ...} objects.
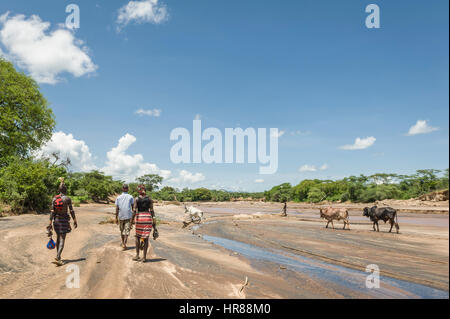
[{"x": 124, "y": 212}]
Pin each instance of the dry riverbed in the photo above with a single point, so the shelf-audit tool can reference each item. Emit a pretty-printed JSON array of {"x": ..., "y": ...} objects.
[{"x": 281, "y": 257}]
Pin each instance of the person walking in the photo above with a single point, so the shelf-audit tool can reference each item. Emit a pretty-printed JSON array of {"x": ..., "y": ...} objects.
[
  {"x": 60, "y": 218},
  {"x": 124, "y": 212},
  {"x": 284, "y": 210},
  {"x": 144, "y": 218}
]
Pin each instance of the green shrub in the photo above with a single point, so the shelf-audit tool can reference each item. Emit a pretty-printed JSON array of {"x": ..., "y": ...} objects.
[
  {"x": 28, "y": 185},
  {"x": 80, "y": 199},
  {"x": 201, "y": 194},
  {"x": 98, "y": 186},
  {"x": 315, "y": 195}
]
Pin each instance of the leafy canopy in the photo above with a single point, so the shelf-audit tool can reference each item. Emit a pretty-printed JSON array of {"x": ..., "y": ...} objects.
[{"x": 26, "y": 121}]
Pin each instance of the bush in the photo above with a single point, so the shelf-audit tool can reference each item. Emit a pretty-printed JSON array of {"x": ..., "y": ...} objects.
[
  {"x": 220, "y": 196},
  {"x": 281, "y": 193},
  {"x": 28, "y": 185},
  {"x": 201, "y": 194},
  {"x": 379, "y": 192},
  {"x": 315, "y": 195},
  {"x": 98, "y": 186},
  {"x": 167, "y": 193}
]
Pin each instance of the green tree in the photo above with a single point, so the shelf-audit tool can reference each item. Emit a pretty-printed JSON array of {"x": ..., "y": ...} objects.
[
  {"x": 280, "y": 193},
  {"x": 26, "y": 121},
  {"x": 221, "y": 195},
  {"x": 28, "y": 185},
  {"x": 168, "y": 193},
  {"x": 300, "y": 191},
  {"x": 316, "y": 195},
  {"x": 355, "y": 186},
  {"x": 443, "y": 181},
  {"x": 151, "y": 181},
  {"x": 185, "y": 195},
  {"x": 201, "y": 194},
  {"x": 99, "y": 186}
]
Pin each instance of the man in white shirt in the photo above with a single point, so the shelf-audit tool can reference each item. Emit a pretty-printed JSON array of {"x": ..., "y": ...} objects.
[{"x": 124, "y": 212}]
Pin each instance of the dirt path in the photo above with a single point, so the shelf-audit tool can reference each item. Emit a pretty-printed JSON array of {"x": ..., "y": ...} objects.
[
  {"x": 292, "y": 257},
  {"x": 182, "y": 265}
]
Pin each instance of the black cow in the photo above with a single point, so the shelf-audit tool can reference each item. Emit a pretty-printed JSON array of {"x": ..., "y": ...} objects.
[{"x": 383, "y": 213}]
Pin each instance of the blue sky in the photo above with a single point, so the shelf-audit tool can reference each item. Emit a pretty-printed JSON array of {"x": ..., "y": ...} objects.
[{"x": 309, "y": 68}]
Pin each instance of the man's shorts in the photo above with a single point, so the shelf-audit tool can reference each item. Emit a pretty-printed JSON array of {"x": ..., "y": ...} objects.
[{"x": 125, "y": 227}]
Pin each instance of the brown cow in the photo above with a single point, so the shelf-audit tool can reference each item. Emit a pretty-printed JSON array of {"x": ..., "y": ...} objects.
[{"x": 330, "y": 214}]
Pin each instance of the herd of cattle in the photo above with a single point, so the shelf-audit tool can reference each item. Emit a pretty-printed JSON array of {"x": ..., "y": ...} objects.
[{"x": 375, "y": 214}]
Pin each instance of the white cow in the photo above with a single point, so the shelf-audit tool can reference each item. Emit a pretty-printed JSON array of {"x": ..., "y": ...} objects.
[{"x": 192, "y": 215}]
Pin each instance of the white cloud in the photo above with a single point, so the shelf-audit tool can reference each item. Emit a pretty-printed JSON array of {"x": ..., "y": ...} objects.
[
  {"x": 300, "y": 133},
  {"x": 142, "y": 12},
  {"x": 259, "y": 180},
  {"x": 280, "y": 134},
  {"x": 307, "y": 168},
  {"x": 44, "y": 54},
  {"x": 312, "y": 168},
  {"x": 421, "y": 127},
  {"x": 187, "y": 177},
  {"x": 154, "y": 112},
  {"x": 119, "y": 164},
  {"x": 128, "y": 167},
  {"x": 360, "y": 143},
  {"x": 69, "y": 147}
]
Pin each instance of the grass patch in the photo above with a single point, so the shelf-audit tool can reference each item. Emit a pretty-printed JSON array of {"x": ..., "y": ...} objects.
[
  {"x": 108, "y": 220},
  {"x": 80, "y": 199},
  {"x": 174, "y": 203},
  {"x": 158, "y": 221}
]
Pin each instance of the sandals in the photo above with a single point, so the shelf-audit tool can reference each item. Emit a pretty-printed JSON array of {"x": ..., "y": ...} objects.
[
  {"x": 142, "y": 260},
  {"x": 58, "y": 262}
]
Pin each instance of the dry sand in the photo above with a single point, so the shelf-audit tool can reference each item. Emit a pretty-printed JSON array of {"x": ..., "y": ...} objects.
[{"x": 282, "y": 257}]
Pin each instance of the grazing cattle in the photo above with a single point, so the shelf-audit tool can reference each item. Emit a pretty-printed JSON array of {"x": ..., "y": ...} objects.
[
  {"x": 382, "y": 213},
  {"x": 335, "y": 213},
  {"x": 192, "y": 215}
]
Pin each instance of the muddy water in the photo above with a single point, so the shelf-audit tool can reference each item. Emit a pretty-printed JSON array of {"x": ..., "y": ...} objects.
[{"x": 322, "y": 271}]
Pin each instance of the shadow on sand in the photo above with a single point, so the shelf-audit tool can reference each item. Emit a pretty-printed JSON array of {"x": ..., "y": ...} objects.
[
  {"x": 68, "y": 261},
  {"x": 155, "y": 260}
]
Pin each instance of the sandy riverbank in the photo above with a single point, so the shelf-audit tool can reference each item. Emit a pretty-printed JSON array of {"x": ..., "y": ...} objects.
[{"x": 293, "y": 257}]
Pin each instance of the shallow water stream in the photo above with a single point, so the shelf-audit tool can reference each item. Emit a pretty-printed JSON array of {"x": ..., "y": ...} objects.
[{"x": 342, "y": 276}]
